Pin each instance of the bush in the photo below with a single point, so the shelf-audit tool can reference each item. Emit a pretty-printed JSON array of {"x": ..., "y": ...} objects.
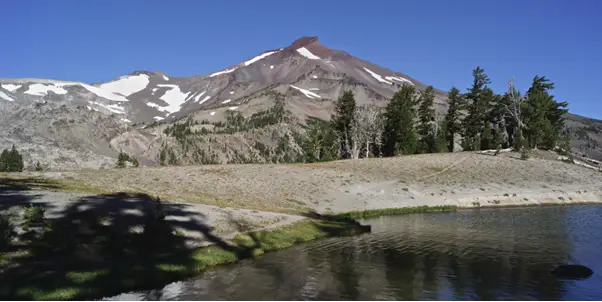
[
  {"x": 123, "y": 157},
  {"x": 524, "y": 154},
  {"x": 7, "y": 232},
  {"x": 33, "y": 215}
]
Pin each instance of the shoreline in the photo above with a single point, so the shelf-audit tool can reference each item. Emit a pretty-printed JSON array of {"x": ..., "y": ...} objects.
[
  {"x": 342, "y": 224},
  {"x": 283, "y": 202}
]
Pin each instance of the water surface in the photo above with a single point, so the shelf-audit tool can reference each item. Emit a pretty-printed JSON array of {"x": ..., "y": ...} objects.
[{"x": 493, "y": 254}]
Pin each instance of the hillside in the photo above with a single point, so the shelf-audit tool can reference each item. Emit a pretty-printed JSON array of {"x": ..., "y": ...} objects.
[{"x": 70, "y": 125}]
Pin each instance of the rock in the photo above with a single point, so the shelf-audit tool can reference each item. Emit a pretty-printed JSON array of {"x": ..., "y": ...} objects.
[{"x": 572, "y": 271}]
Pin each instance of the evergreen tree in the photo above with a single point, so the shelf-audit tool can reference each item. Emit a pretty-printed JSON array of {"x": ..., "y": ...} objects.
[
  {"x": 38, "y": 166},
  {"x": 441, "y": 142},
  {"x": 321, "y": 143},
  {"x": 11, "y": 161},
  {"x": 426, "y": 117},
  {"x": 122, "y": 158},
  {"x": 478, "y": 104},
  {"x": 341, "y": 120},
  {"x": 452, "y": 119},
  {"x": 545, "y": 116},
  {"x": 399, "y": 133}
]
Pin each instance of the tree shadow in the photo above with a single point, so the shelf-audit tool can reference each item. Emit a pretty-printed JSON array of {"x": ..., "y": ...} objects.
[
  {"x": 15, "y": 192},
  {"x": 103, "y": 245}
]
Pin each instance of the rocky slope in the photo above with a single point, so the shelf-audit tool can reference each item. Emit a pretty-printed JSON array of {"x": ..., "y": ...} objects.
[{"x": 76, "y": 125}]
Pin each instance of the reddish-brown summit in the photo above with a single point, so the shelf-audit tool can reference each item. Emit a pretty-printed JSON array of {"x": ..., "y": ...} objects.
[
  {"x": 312, "y": 44},
  {"x": 303, "y": 41}
]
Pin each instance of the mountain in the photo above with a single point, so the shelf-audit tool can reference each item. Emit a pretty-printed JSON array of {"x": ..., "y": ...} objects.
[{"x": 79, "y": 125}]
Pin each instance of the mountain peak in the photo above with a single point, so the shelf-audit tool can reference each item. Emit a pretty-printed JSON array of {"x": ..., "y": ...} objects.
[{"x": 304, "y": 41}]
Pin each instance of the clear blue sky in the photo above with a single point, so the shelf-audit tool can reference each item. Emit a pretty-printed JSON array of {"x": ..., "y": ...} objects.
[{"x": 437, "y": 42}]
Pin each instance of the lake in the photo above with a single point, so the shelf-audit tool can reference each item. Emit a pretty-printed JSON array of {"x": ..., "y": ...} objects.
[{"x": 486, "y": 254}]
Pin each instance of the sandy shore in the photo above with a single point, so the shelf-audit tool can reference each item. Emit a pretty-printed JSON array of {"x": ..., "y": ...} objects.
[{"x": 260, "y": 194}]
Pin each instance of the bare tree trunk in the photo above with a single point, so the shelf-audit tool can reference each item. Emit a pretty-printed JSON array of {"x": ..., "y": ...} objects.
[{"x": 367, "y": 148}]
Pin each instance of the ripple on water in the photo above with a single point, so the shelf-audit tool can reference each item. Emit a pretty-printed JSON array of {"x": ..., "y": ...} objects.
[{"x": 469, "y": 255}]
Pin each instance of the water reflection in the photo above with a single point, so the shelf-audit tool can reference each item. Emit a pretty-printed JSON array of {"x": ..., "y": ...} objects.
[{"x": 497, "y": 254}]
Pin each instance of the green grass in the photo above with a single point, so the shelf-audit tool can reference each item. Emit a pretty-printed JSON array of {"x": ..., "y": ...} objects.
[
  {"x": 52, "y": 275},
  {"x": 396, "y": 211}
]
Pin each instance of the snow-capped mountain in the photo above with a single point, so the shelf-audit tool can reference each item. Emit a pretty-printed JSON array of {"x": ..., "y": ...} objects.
[
  {"x": 304, "y": 70},
  {"x": 308, "y": 74}
]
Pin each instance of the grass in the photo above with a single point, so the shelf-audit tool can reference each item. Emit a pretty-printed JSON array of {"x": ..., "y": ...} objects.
[
  {"x": 396, "y": 211},
  {"x": 52, "y": 275}
]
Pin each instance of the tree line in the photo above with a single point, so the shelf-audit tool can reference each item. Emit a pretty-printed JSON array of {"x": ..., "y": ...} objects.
[{"x": 478, "y": 119}]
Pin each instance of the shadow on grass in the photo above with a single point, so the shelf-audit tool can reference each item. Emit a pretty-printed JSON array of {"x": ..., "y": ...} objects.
[{"x": 102, "y": 245}]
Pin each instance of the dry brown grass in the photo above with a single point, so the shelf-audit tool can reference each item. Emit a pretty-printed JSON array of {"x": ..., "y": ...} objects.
[{"x": 297, "y": 187}]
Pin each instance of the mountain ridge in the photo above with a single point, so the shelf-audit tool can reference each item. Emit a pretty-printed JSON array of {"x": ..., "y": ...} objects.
[{"x": 307, "y": 74}]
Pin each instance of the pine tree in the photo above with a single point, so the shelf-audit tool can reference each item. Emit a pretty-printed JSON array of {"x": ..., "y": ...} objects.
[
  {"x": 341, "y": 120},
  {"x": 11, "y": 161},
  {"x": 426, "y": 117},
  {"x": 452, "y": 119},
  {"x": 478, "y": 104},
  {"x": 122, "y": 158},
  {"x": 399, "y": 133},
  {"x": 38, "y": 166},
  {"x": 441, "y": 143},
  {"x": 545, "y": 116}
]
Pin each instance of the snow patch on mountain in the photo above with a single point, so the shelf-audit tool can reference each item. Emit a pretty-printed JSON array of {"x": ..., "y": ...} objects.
[
  {"x": 377, "y": 76},
  {"x": 42, "y": 89},
  {"x": 166, "y": 85},
  {"x": 154, "y": 90},
  {"x": 126, "y": 120},
  {"x": 314, "y": 89},
  {"x": 306, "y": 53},
  {"x": 174, "y": 99},
  {"x": 259, "y": 57},
  {"x": 127, "y": 85},
  {"x": 205, "y": 99},
  {"x": 315, "y": 77},
  {"x": 226, "y": 101},
  {"x": 223, "y": 71},
  {"x": 233, "y": 108},
  {"x": 307, "y": 93},
  {"x": 158, "y": 118},
  {"x": 154, "y": 105},
  {"x": 271, "y": 66},
  {"x": 212, "y": 113},
  {"x": 231, "y": 92},
  {"x": 11, "y": 87},
  {"x": 198, "y": 96},
  {"x": 165, "y": 78},
  {"x": 113, "y": 108},
  {"x": 399, "y": 79},
  {"x": 5, "y": 96}
]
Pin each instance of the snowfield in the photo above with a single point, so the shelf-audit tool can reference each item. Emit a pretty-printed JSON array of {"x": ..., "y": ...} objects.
[
  {"x": 5, "y": 96},
  {"x": 307, "y": 93},
  {"x": 42, "y": 89},
  {"x": 306, "y": 53},
  {"x": 377, "y": 76},
  {"x": 174, "y": 99},
  {"x": 127, "y": 85},
  {"x": 205, "y": 99},
  {"x": 259, "y": 57},
  {"x": 399, "y": 79},
  {"x": 11, "y": 87},
  {"x": 223, "y": 72}
]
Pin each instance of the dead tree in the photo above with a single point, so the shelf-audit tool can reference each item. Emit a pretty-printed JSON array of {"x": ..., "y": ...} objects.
[{"x": 366, "y": 129}]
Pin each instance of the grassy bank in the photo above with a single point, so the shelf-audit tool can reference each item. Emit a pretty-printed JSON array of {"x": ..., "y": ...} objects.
[
  {"x": 396, "y": 211},
  {"x": 68, "y": 266}
]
